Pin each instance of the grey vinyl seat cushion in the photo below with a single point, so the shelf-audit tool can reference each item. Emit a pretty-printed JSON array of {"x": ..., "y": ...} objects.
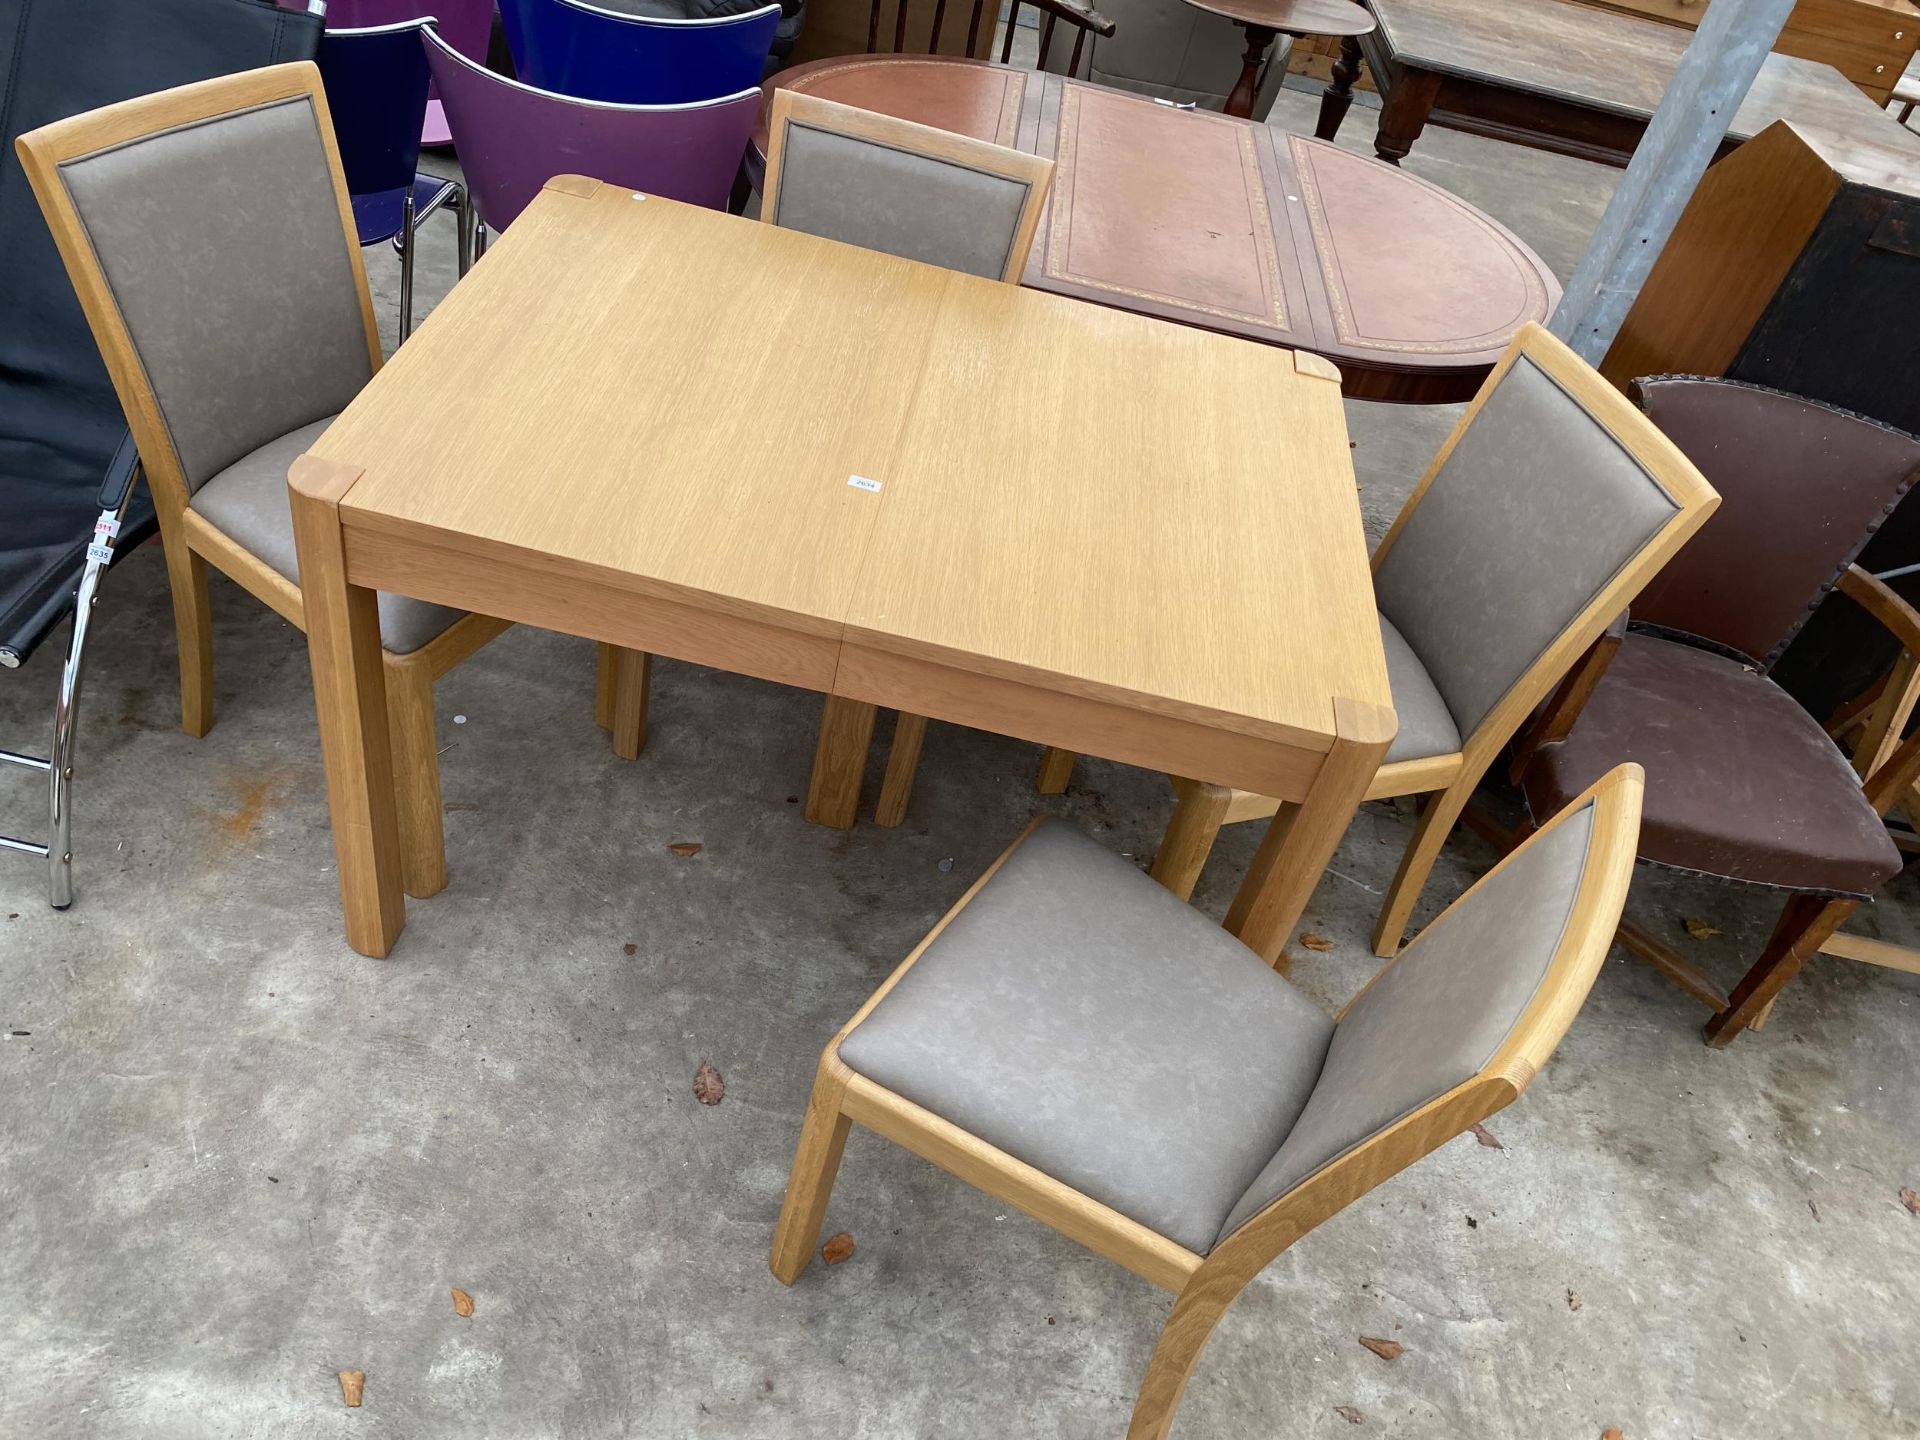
[
  {"x": 881, "y": 197},
  {"x": 1426, "y": 725},
  {"x": 248, "y": 501},
  {"x": 1079, "y": 1017}
]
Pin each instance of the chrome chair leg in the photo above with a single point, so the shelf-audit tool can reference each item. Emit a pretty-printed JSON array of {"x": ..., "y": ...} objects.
[
  {"x": 478, "y": 244},
  {"x": 462, "y": 210},
  {"x": 406, "y": 272},
  {"x": 66, "y": 716}
]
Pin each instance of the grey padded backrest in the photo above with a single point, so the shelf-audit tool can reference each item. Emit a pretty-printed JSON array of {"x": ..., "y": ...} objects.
[
  {"x": 1434, "y": 1018},
  {"x": 897, "y": 201},
  {"x": 1535, "y": 510},
  {"x": 222, "y": 244}
]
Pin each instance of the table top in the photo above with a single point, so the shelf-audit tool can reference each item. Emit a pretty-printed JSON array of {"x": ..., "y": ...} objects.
[
  {"x": 672, "y": 402},
  {"x": 1234, "y": 226},
  {"x": 1295, "y": 17},
  {"x": 1606, "y": 60}
]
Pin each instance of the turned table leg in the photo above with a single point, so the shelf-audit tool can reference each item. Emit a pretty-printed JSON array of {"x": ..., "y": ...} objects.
[
  {"x": 1240, "y": 102},
  {"x": 1337, "y": 98},
  {"x": 1403, "y": 114}
]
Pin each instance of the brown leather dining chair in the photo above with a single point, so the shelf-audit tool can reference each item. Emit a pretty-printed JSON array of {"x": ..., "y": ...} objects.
[
  {"x": 1063, "y": 1038},
  {"x": 1742, "y": 783},
  {"x": 234, "y": 333}
]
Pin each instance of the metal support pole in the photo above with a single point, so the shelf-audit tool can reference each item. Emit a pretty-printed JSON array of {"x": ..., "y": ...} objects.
[{"x": 1713, "y": 77}]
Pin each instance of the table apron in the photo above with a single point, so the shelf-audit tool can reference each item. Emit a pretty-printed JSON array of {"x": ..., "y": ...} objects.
[
  {"x": 580, "y": 604},
  {"x": 1080, "y": 723}
]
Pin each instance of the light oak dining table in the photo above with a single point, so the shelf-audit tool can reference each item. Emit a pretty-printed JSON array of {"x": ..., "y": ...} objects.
[{"x": 691, "y": 434}]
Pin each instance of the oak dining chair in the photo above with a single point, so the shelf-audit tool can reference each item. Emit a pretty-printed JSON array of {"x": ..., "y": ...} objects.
[
  {"x": 1745, "y": 785},
  {"x": 1548, "y": 507},
  {"x": 234, "y": 335},
  {"x": 1062, "y": 1038},
  {"x": 883, "y": 184}
]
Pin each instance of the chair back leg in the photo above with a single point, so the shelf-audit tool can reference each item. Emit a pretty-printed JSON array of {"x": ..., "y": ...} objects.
[
  {"x": 1806, "y": 924},
  {"x": 1190, "y": 1324},
  {"x": 1197, "y": 817},
  {"x": 1056, "y": 769},
  {"x": 192, "y": 629},
  {"x": 1437, "y": 818}
]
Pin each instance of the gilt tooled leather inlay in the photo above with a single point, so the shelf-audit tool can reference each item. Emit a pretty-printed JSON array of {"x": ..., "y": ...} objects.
[
  {"x": 1175, "y": 214},
  {"x": 978, "y": 100},
  {"x": 1382, "y": 239}
]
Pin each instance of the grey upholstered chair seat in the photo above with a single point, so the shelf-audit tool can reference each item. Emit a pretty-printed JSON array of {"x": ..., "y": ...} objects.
[
  {"x": 248, "y": 501},
  {"x": 1079, "y": 1017},
  {"x": 1426, "y": 725}
]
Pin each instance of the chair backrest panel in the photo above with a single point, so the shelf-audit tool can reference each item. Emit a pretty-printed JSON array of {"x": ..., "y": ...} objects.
[
  {"x": 903, "y": 189},
  {"x": 376, "y": 83},
  {"x": 513, "y": 138},
  {"x": 1535, "y": 509},
  {"x": 1803, "y": 486},
  {"x": 598, "y": 52},
  {"x": 1438, "y": 1014},
  {"x": 222, "y": 245}
]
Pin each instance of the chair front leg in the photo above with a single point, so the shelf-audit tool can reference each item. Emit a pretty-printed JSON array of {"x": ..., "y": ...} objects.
[
  {"x": 823, "y": 1138},
  {"x": 1197, "y": 817},
  {"x": 1805, "y": 925},
  {"x": 1190, "y": 1324},
  {"x": 903, "y": 763},
  {"x": 416, "y": 775},
  {"x": 406, "y": 272},
  {"x": 1056, "y": 769},
  {"x": 1416, "y": 864}
]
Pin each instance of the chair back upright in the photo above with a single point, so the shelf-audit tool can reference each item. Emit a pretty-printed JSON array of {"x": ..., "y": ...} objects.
[
  {"x": 1548, "y": 506},
  {"x": 605, "y": 52},
  {"x": 513, "y": 138},
  {"x": 1457, "y": 1025},
  {"x": 1082, "y": 19},
  {"x": 1803, "y": 487},
  {"x": 904, "y": 189},
  {"x": 376, "y": 83},
  {"x": 253, "y": 319}
]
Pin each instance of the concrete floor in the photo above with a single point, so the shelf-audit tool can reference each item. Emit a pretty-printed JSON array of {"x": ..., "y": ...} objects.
[{"x": 236, "y": 1158}]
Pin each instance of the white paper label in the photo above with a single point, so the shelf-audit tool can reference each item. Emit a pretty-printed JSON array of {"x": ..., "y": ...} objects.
[
  {"x": 861, "y": 482},
  {"x": 100, "y": 553}
]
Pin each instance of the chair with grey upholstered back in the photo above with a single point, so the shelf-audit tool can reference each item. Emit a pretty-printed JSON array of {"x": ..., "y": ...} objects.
[
  {"x": 209, "y": 235},
  {"x": 1063, "y": 1037},
  {"x": 1550, "y": 505},
  {"x": 909, "y": 190}
]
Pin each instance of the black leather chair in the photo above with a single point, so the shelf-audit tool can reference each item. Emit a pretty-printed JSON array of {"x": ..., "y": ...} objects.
[{"x": 67, "y": 468}]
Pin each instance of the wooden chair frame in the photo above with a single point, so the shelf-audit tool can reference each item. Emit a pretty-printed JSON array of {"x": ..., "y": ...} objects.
[
  {"x": 623, "y": 677},
  {"x": 1447, "y": 781},
  {"x": 1204, "y": 1286},
  {"x": 189, "y": 541}
]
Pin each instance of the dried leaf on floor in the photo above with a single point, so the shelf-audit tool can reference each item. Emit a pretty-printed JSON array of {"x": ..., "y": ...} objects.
[
  {"x": 1315, "y": 942},
  {"x": 1612, "y": 1432},
  {"x": 685, "y": 847},
  {"x": 1573, "y": 1299},
  {"x": 353, "y": 1384},
  {"x": 1385, "y": 1349},
  {"x": 838, "y": 1247},
  {"x": 629, "y": 948},
  {"x": 462, "y": 1303},
  {"x": 1699, "y": 929},
  {"x": 708, "y": 1087},
  {"x": 1912, "y": 1201},
  {"x": 1486, "y": 1137},
  {"x": 1815, "y": 1209},
  {"x": 1352, "y": 1414}
]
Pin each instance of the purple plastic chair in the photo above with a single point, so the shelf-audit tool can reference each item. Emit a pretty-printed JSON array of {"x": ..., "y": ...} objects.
[
  {"x": 466, "y": 25},
  {"x": 512, "y": 139}
]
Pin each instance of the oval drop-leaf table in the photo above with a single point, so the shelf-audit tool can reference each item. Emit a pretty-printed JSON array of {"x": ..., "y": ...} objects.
[{"x": 1230, "y": 225}]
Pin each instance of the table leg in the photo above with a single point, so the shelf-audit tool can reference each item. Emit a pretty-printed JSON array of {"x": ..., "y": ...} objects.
[
  {"x": 1403, "y": 114},
  {"x": 349, "y": 692},
  {"x": 1301, "y": 839},
  {"x": 1240, "y": 102},
  {"x": 1337, "y": 98},
  {"x": 840, "y": 761}
]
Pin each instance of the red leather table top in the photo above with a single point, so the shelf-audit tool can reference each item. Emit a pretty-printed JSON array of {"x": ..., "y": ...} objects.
[{"x": 1231, "y": 225}]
